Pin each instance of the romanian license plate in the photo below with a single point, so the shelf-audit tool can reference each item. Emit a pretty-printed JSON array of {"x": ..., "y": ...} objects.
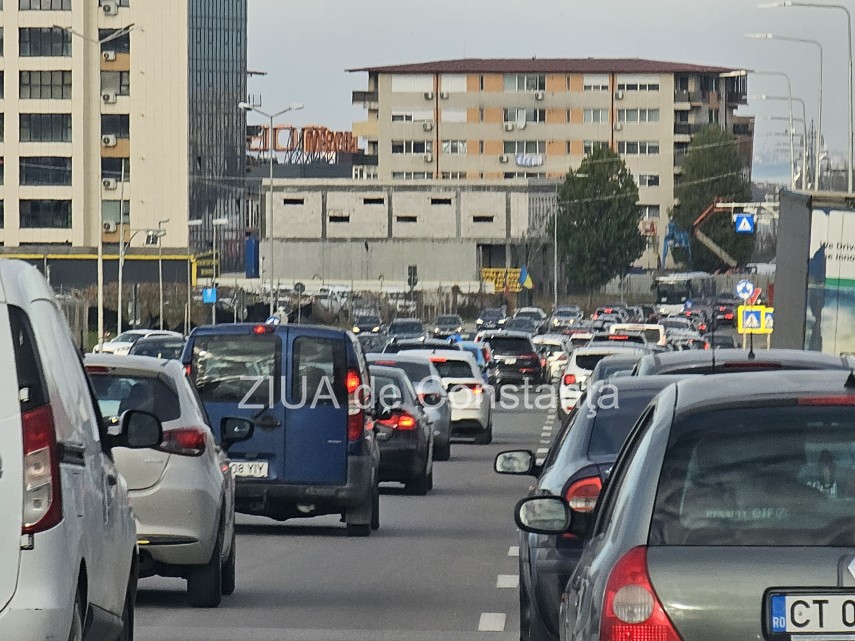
[
  {"x": 812, "y": 614},
  {"x": 254, "y": 469},
  {"x": 509, "y": 361}
]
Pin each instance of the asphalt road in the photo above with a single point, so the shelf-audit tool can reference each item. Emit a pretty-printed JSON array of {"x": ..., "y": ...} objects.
[{"x": 441, "y": 568}]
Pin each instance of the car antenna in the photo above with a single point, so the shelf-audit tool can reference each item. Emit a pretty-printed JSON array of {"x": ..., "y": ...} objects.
[
  {"x": 712, "y": 337},
  {"x": 850, "y": 380},
  {"x": 751, "y": 354}
]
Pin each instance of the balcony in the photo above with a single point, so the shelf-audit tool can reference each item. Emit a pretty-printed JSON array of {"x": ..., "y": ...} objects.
[
  {"x": 684, "y": 100},
  {"x": 365, "y": 97}
]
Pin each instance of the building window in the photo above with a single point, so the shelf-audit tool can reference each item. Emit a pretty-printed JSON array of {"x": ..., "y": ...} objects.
[
  {"x": 440, "y": 201},
  {"x": 511, "y": 175},
  {"x": 454, "y": 146},
  {"x": 409, "y": 115},
  {"x": 44, "y": 5},
  {"x": 406, "y": 219},
  {"x": 453, "y": 83},
  {"x": 339, "y": 217},
  {"x": 525, "y": 82},
  {"x": 412, "y": 83},
  {"x": 638, "y": 115},
  {"x": 713, "y": 117},
  {"x": 110, "y": 211},
  {"x": 480, "y": 146},
  {"x": 45, "y": 214},
  {"x": 650, "y": 211},
  {"x": 480, "y": 114},
  {"x": 45, "y": 127},
  {"x": 293, "y": 202},
  {"x": 412, "y": 147},
  {"x": 525, "y": 147},
  {"x": 2, "y": 127},
  {"x": 50, "y": 85},
  {"x": 638, "y": 147},
  {"x": 119, "y": 82},
  {"x": 483, "y": 219},
  {"x": 2, "y": 170},
  {"x": 45, "y": 170},
  {"x": 481, "y": 83},
  {"x": 589, "y": 145},
  {"x": 2, "y": 84},
  {"x": 596, "y": 116},
  {"x": 648, "y": 180},
  {"x": 454, "y": 175},
  {"x": 118, "y": 125},
  {"x": 113, "y": 168},
  {"x": 595, "y": 82},
  {"x": 2, "y": 215},
  {"x": 638, "y": 86},
  {"x": 46, "y": 42},
  {"x": 1, "y": 32},
  {"x": 374, "y": 201},
  {"x": 411, "y": 175},
  {"x": 119, "y": 44},
  {"x": 519, "y": 114}
]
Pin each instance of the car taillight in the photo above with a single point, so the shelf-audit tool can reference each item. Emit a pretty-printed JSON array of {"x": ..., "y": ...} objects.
[
  {"x": 355, "y": 413},
  {"x": 728, "y": 316},
  {"x": 631, "y": 609},
  {"x": 42, "y": 507},
  {"x": 582, "y": 495},
  {"x": 188, "y": 369},
  {"x": 400, "y": 421},
  {"x": 184, "y": 441},
  {"x": 569, "y": 379}
]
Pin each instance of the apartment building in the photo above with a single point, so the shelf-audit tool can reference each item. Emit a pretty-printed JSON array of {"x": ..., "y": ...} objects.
[
  {"x": 119, "y": 114},
  {"x": 492, "y": 119}
]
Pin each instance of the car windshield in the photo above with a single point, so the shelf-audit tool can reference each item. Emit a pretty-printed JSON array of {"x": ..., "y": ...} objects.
[
  {"x": 406, "y": 327},
  {"x": 608, "y": 367},
  {"x": 550, "y": 348},
  {"x": 588, "y": 361},
  {"x": 368, "y": 320},
  {"x": 118, "y": 393},
  {"x": 448, "y": 320},
  {"x": 531, "y": 314},
  {"x": 510, "y": 345},
  {"x": 159, "y": 349},
  {"x": 235, "y": 369},
  {"x": 491, "y": 314},
  {"x": 454, "y": 369},
  {"x": 567, "y": 311},
  {"x": 616, "y": 413},
  {"x": 519, "y": 323},
  {"x": 128, "y": 337},
  {"x": 759, "y": 476}
]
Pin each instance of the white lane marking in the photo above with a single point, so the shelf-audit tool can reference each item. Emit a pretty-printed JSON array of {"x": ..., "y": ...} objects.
[
  {"x": 542, "y": 450},
  {"x": 492, "y": 622},
  {"x": 508, "y": 581},
  {"x": 545, "y": 441},
  {"x": 514, "y": 550}
]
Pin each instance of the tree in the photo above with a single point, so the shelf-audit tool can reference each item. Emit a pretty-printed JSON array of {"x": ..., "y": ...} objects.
[
  {"x": 712, "y": 169},
  {"x": 598, "y": 221}
]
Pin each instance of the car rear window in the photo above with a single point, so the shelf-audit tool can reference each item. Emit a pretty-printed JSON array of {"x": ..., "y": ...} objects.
[
  {"x": 616, "y": 414},
  {"x": 588, "y": 361},
  {"x": 412, "y": 327},
  {"x": 31, "y": 388},
  {"x": 231, "y": 368},
  {"x": 159, "y": 349},
  {"x": 448, "y": 320},
  {"x": 319, "y": 371},
  {"x": 510, "y": 345},
  {"x": 762, "y": 476},
  {"x": 118, "y": 393},
  {"x": 454, "y": 369}
]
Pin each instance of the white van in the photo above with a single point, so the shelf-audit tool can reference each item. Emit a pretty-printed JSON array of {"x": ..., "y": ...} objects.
[{"x": 68, "y": 546}]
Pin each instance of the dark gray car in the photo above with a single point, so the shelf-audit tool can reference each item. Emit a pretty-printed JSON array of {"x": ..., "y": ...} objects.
[
  {"x": 737, "y": 361},
  {"x": 729, "y": 514}
]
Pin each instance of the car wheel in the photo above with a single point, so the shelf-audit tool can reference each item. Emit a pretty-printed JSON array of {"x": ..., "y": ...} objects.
[
  {"x": 375, "y": 508},
  {"x": 76, "y": 632},
  {"x": 128, "y": 611},
  {"x": 230, "y": 569},
  {"x": 419, "y": 484},
  {"x": 485, "y": 437},
  {"x": 430, "y": 479},
  {"x": 442, "y": 452},
  {"x": 360, "y": 529},
  {"x": 205, "y": 582}
]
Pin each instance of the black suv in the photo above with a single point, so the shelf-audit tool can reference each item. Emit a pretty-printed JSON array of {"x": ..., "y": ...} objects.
[{"x": 515, "y": 359}]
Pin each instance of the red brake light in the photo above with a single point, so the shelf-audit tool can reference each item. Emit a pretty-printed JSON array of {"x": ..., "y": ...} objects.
[
  {"x": 618, "y": 337},
  {"x": 569, "y": 379},
  {"x": 607, "y": 310},
  {"x": 353, "y": 381},
  {"x": 406, "y": 422},
  {"x": 262, "y": 329},
  {"x": 438, "y": 359},
  {"x": 385, "y": 363},
  {"x": 97, "y": 369},
  {"x": 828, "y": 401},
  {"x": 355, "y": 412},
  {"x": 631, "y": 609},
  {"x": 728, "y": 316},
  {"x": 42, "y": 494},
  {"x": 184, "y": 441},
  {"x": 583, "y": 494}
]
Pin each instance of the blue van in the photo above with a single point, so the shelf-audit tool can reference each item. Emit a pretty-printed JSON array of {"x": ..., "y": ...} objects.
[{"x": 313, "y": 451}]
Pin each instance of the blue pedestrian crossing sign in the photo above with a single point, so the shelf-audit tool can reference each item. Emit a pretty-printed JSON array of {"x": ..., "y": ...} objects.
[
  {"x": 755, "y": 319},
  {"x": 744, "y": 223},
  {"x": 769, "y": 319},
  {"x": 751, "y": 319},
  {"x": 209, "y": 295}
]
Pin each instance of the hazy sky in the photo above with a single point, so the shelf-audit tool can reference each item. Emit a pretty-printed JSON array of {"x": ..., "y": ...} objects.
[{"x": 306, "y": 45}]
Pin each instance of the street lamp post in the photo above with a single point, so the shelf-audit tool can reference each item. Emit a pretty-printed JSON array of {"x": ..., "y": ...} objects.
[
  {"x": 781, "y": 74},
  {"x": 839, "y": 7},
  {"x": 818, "y": 45},
  {"x": 160, "y": 234},
  {"x": 790, "y": 99},
  {"x": 216, "y": 222},
  {"x": 270, "y": 238}
]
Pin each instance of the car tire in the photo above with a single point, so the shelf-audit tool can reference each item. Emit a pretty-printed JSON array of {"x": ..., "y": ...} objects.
[
  {"x": 230, "y": 569},
  {"x": 430, "y": 479},
  {"x": 360, "y": 529},
  {"x": 76, "y": 631},
  {"x": 127, "y": 633},
  {"x": 485, "y": 437},
  {"x": 375, "y": 508},
  {"x": 419, "y": 484},
  {"x": 205, "y": 582},
  {"x": 442, "y": 452}
]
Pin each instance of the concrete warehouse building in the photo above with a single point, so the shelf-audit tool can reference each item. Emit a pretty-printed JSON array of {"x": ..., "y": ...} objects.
[
  {"x": 105, "y": 101},
  {"x": 494, "y": 119}
]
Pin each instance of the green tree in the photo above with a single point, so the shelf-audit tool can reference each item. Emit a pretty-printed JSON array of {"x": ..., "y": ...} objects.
[
  {"x": 598, "y": 221},
  {"x": 713, "y": 169}
]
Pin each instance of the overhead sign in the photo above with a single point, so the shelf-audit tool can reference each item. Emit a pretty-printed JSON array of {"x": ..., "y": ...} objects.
[
  {"x": 744, "y": 223},
  {"x": 209, "y": 295},
  {"x": 502, "y": 279},
  {"x": 755, "y": 319},
  {"x": 310, "y": 139},
  {"x": 744, "y": 289}
]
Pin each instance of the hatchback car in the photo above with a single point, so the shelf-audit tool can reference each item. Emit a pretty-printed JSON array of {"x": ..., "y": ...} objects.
[
  {"x": 368, "y": 324},
  {"x": 404, "y": 431},
  {"x": 555, "y": 349},
  {"x": 170, "y": 347},
  {"x": 123, "y": 343},
  {"x": 515, "y": 359},
  {"x": 537, "y": 315},
  {"x": 447, "y": 325},
  {"x": 582, "y": 362},
  {"x": 182, "y": 490},
  {"x": 490, "y": 318},
  {"x": 402, "y": 328}
]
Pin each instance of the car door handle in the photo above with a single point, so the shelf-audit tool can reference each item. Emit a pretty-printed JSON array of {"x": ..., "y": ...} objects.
[
  {"x": 112, "y": 479},
  {"x": 268, "y": 421}
]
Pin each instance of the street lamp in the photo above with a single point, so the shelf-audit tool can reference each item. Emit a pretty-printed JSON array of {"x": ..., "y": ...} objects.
[
  {"x": 790, "y": 99},
  {"x": 781, "y": 74},
  {"x": 216, "y": 222},
  {"x": 818, "y": 45},
  {"x": 248, "y": 107},
  {"x": 840, "y": 7},
  {"x": 154, "y": 239}
]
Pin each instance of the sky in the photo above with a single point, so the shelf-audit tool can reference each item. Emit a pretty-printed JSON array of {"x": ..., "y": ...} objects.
[{"x": 305, "y": 47}]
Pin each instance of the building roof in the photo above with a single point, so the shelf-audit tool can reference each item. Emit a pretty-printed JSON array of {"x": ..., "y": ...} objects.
[{"x": 546, "y": 65}]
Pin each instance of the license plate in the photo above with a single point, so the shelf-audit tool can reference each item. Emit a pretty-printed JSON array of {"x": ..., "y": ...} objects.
[
  {"x": 812, "y": 613},
  {"x": 256, "y": 470},
  {"x": 510, "y": 361}
]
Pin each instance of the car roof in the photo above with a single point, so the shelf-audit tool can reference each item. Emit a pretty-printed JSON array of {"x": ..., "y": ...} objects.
[
  {"x": 155, "y": 338},
  {"x": 499, "y": 333},
  {"x": 550, "y": 339},
  {"x": 412, "y": 356},
  {"x": 790, "y": 358},
  {"x": 609, "y": 348},
  {"x": 637, "y": 383},
  {"x": 139, "y": 365},
  {"x": 448, "y": 354},
  {"x": 386, "y": 370},
  {"x": 244, "y": 328}
]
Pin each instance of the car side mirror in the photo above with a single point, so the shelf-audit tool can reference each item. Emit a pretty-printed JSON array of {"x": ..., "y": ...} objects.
[
  {"x": 137, "y": 431},
  {"x": 517, "y": 463},
  {"x": 543, "y": 515},
  {"x": 235, "y": 430}
]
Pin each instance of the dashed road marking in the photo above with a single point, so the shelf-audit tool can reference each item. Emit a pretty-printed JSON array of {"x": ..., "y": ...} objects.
[
  {"x": 508, "y": 581},
  {"x": 492, "y": 622},
  {"x": 542, "y": 450},
  {"x": 514, "y": 550},
  {"x": 545, "y": 441}
]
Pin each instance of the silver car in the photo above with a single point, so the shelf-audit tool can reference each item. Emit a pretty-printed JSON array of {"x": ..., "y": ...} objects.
[
  {"x": 729, "y": 514},
  {"x": 182, "y": 491}
]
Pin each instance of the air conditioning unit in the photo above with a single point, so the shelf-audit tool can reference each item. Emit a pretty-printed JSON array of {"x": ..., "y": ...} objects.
[
  {"x": 108, "y": 56},
  {"x": 428, "y": 95},
  {"x": 443, "y": 95},
  {"x": 428, "y": 157},
  {"x": 109, "y": 140},
  {"x": 619, "y": 94},
  {"x": 109, "y": 97},
  {"x": 618, "y": 126},
  {"x": 504, "y": 159},
  {"x": 538, "y": 95},
  {"x": 109, "y": 7},
  {"x": 109, "y": 184},
  {"x": 428, "y": 126},
  {"x": 109, "y": 228},
  {"x": 509, "y": 126}
]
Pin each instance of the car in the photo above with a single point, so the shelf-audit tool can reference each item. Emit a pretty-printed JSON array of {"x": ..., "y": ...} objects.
[
  {"x": 582, "y": 362},
  {"x": 698, "y": 317},
  {"x": 368, "y": 324},
  {"x": 724, "y": 315},
  {"x": 650, "y": 315},
  {"x": 122, "y": 344},
  {"x": 653, "y": 332},
  {"x": 402, "y": 328},
  {"x": 685, "y": 343},
  {"x": 618, "y": 311},
  {"x": 580, "y": 337},
  {"x": 169, "y": 347},
  {"x": 522, "y": 324},
  {"x": 182, "y": 490},
  {"x": 556, "y": 350},
  {"x": 395, "y": 345},
  {"x": 734, "y": 361},
  {"x": 490, "y": 318},
  {"x": 722, "y": 340},
  {"x": 613, "y": 366},
  {"x": 678, "y": 323},
  {"x": 432, "y": 394},
  {"x": 633, "y": 338},
  {"x": 372, "y": 342},
  {"x": 575, "y": 468},
  {"x": 565, "y": 317},
  {"x": 536, "y": 314},
  {"x": 483, "y": 357},
  {"x": 305, "y": 389},
  {"x": 739, "y": 481},
  {"x": 470, "y": 399},
  {"x": 515, "y": 359},
  {"x": 404, "y": 431},
  {"x": 447, "y": 325},
  {"x": 68, "y": 541}
]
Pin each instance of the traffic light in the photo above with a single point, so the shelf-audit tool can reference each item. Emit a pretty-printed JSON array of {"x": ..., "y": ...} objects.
[{"x": 412, "y": 276}]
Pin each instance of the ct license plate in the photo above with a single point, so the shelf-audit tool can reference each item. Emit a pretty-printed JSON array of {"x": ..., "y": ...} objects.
[
  {"x": 510, "y": 361},
  {"x": 255, "y": 469},
  {"x": 812, "y": 613}
]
